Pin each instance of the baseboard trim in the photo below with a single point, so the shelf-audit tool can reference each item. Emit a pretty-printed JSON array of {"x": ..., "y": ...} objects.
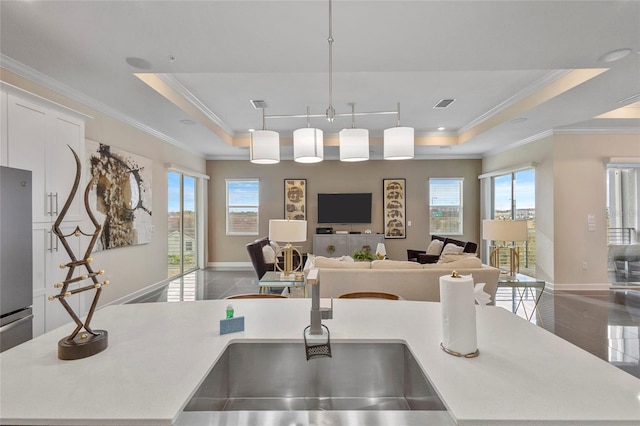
[
  {"x": 230, "y": 266},
  {"x": 578, "y": 287}
]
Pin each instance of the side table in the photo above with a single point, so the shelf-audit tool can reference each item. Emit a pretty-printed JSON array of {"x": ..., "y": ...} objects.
[
  {"x": 272, "y": 279},
  {"x": 523, "y": 285}
]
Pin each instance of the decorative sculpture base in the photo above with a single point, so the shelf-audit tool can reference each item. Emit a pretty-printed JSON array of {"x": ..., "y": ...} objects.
[{"x": 80, "y": 347}]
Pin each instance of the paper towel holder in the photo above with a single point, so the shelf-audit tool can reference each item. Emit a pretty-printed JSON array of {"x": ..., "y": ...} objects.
[
  {"x": 458, "y": 354},
  {"x": 455, "y": 274}
]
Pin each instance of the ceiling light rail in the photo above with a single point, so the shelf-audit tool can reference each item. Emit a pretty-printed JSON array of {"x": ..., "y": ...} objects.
[{"x": 308, "y": 144}]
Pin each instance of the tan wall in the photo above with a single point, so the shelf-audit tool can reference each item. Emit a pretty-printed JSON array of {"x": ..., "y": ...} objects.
[
  {"x": 580, "y": 190},
  {"x": 336, "y": 176},
  {"x": 132, "y": 268}
]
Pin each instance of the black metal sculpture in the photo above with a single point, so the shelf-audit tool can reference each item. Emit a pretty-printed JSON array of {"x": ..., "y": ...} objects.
[{"x": 80, "y": 345}]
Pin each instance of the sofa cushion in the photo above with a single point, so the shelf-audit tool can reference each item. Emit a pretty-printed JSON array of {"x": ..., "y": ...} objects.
[
  {"x": 395, "y": 264},
  {"x": 327, "y": 262},
  {"x": 452, "y": 257},
  {"x": 469, "y": 262},
  {"x": 435, "y": 247}
]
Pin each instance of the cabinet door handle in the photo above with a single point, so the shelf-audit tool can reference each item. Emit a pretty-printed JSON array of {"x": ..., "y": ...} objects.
[
  {"x": 50, "y": 249},
  {"x": 50, "y": 197},
  {"x": 56, "y": 195},
  {"x": 57, "y": 240}
]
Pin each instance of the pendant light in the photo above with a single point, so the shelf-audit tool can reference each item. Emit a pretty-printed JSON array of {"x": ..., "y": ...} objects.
[
  {"x": 308, "y": 144},
  {"x": 354, "y": 143},
  {"x": 398, "y": 142},
  {"x": 264, "y": 146}
]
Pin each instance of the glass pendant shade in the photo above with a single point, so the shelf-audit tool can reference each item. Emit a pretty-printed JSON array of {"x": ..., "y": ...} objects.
[
  {"x": 265, "y": 147},
  {"x": 354, "y": 145},
  {"x": 398, "y": 143},
  {"x": 308, "y": 145}
]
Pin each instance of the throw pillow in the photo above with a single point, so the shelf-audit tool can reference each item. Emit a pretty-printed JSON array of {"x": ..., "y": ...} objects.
[
  {"x": 268, "y": 254},
  {"x": 275, "y": 246},
  {"x": 435, "y": 247},
  {"x": 326, "y": 262},
  {"x": 451, "y": 248}
]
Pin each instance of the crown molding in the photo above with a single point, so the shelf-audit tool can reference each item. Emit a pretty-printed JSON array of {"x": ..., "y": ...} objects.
[
  {"x": 29, "y": 73},
  {"x": 527, "y": 91},
  {"x": 172, "y": 82},
  {"x": 519, "y": 143},
  {"x": 598, "y": 131}
]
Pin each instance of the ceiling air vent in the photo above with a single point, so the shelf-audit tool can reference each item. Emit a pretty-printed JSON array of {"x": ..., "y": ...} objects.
[
  {"x": 258, "y": 103},
  {"x": 443, "y": 103}
]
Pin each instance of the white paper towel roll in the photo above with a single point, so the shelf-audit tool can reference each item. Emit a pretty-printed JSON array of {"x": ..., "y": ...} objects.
[{"x": 458, "y": 314}]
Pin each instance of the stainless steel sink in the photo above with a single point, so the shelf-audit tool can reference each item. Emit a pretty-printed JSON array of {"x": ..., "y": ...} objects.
[{"x": 258, "y": 377}]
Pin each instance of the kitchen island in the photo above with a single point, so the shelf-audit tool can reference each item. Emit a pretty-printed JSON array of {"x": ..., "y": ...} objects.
[{"x": 159, "y": 353}]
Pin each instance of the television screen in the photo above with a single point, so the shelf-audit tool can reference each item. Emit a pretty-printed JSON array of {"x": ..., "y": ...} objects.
[{"x": 344, "y": 208}]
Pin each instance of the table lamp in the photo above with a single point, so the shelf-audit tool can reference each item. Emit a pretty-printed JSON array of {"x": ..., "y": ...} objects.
[
  {"x": 288, "y": 231},
  {"x": 504, "y": 230},
  {"x": 381, "y": 251}
]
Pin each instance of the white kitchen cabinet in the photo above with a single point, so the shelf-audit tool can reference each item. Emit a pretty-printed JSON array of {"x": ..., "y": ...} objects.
[
  {"x": 38, "y": 139},
  {"x": 36, "y": 135}
]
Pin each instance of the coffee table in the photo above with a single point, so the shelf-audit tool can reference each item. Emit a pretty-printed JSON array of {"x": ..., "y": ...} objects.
[{"x": 272, "y": 279}]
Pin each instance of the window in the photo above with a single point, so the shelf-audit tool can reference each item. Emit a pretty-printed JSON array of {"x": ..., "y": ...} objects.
[
  {"x": 445, "y": 206},
  {"x": 242, "y": 206}
]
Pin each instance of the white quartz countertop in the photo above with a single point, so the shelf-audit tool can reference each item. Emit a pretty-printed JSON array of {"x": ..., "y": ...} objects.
[{"x": 159, "y": 352}]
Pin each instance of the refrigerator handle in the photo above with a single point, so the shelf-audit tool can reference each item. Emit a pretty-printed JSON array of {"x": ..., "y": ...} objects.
[{"x": 15, "y": 323}]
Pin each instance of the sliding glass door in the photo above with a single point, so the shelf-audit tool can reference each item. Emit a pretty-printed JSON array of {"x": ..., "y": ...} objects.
[
  {"x": 514, "y": 197},
  {"x": 182, "y": 224}
]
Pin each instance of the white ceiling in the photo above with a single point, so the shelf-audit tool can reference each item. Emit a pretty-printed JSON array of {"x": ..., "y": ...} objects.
[{"x": 496, "y": 58}]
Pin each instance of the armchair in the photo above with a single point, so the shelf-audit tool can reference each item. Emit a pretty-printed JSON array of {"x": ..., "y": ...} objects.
[
  {"x": 421, "y": 256},
  {"x": 257, "y": 258}
]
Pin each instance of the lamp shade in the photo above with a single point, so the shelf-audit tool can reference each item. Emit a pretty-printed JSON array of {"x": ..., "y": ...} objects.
[
  {"x": 265, "y": 147},
  {"x": 287, "y": 231},
  {"x": 354, "y": 145},
  {"x": 504, "y": 230},
  {"x": 308, "y": 145},
  {"x": 398, "y": 143}
]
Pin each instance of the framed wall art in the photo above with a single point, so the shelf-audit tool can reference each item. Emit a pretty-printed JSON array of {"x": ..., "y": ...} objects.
[
  {"x": 295, "y": 199},
  {"x": 394, "y": 208},
  {"x": 121, "y": 195}
]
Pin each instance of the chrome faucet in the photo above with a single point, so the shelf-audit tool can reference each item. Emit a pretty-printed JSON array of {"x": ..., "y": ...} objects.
[{"x": 317, "y": 332}]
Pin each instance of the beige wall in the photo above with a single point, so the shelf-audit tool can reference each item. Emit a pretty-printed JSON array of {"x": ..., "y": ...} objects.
[
  {"x": 336, "y": 176},
  {"x": 132, "y": 268},
  {"x": 570, "y": 185}
]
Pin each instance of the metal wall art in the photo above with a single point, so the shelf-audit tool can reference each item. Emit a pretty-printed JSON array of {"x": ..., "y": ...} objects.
[
  {"x": 122, "y": 196},
  {"x": 295, "y": 199},
  {"x": 394, "y": 208}
]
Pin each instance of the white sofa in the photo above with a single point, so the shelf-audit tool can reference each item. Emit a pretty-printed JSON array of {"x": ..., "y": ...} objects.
[{"x": 409, "y": 280}]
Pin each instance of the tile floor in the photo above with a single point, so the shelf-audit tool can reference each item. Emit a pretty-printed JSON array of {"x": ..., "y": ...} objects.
[{"x": 605, "y": 323}]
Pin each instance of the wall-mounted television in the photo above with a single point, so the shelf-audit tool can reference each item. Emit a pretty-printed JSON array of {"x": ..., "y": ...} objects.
[{"x": 344, "y": 208}]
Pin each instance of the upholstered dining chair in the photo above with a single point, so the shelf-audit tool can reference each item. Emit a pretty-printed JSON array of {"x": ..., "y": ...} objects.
[{"x": 369, "y": 295}]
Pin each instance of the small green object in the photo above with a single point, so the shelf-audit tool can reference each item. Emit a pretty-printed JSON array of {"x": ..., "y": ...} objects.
[{"x": 229, "y": 311}]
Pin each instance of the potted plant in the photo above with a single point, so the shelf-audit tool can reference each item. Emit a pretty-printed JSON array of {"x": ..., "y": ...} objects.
[{"x": 363, "y": 255}]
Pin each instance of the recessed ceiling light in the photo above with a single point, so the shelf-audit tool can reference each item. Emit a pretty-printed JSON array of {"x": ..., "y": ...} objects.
[
  {"x": 252, "y": 130},
  {"x": 518, "y": 120},
  {"x": 615, "y": 55},
  {"x": 139, "y": 63},
  {"x": 441, "y": 128},
  {"x": 187, "y": 122}
]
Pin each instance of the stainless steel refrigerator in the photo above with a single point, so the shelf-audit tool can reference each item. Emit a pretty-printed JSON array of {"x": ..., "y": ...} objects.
[{"x": 16, "y": 258}]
